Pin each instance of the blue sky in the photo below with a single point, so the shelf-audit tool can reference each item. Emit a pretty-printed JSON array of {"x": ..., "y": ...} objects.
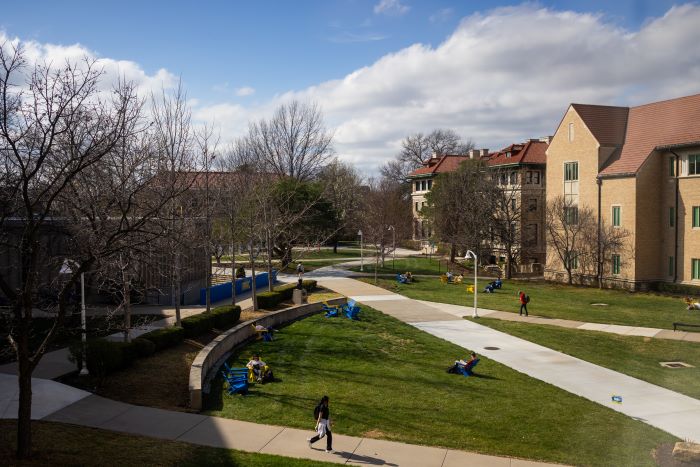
[{"x": 496, "y": 72}]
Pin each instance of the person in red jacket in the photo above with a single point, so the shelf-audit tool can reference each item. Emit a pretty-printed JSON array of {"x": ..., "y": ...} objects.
[{"x": 523, "y": 302}]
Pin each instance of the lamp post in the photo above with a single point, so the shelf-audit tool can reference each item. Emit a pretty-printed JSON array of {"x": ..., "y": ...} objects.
[
  {"x": 471, "y": 255},
  {"x": 66, "y": 269},
  {"x": 393, "y": 241},
  {"x": 362, "y": 261}
]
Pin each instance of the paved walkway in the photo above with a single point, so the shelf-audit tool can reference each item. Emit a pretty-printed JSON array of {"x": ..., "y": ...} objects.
[{"x": 672, "y": 412}]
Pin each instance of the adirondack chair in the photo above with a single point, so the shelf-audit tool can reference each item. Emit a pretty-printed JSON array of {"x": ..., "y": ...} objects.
[
  {"x": 467, "y": 370},
  {"x": 332, "y": 313},
  {"x": 331, "y": 310},
  {"x": 237, "y": 379},
  {"x": 401, "y": 279},
  {"x": 262, "y": 334}
]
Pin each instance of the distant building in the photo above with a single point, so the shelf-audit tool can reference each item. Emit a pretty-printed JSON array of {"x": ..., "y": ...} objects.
[
  {"x": 422, "y": 180},
  {"x": 637, "y": 168},
  {"x": 520, "y": 171}
]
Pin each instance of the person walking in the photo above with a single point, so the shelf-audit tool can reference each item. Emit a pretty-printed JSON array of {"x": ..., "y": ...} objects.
[
  {"x": 323, "y": 424},
  {"x": 524, "y": 299},
  {"x": 300, "y": 270}
]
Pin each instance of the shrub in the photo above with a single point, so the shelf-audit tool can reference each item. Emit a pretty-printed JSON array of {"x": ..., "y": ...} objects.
[
  {"x": 166, "y": 337},
  {"x": 309, "y": 284},
  {"x": 143, "y": 347},
  {"x": 104, "y": 357},
  {"x": 197, "y": 324},
  {"x": 226, "y": 317},
  {"x": 269, "y": 299}
]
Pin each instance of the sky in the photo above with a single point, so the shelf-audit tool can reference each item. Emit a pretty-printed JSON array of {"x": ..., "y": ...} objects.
[{"x": 496, "y": 72}]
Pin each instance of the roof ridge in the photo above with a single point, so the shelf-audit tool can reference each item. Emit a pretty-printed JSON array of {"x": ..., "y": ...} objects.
[{"x": 666, "y": 100}]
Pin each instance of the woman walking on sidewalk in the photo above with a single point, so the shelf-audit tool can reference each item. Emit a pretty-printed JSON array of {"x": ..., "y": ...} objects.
[{"x": 323, "y": 424}]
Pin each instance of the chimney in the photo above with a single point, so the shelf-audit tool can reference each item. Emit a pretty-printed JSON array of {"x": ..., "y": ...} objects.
[
  {"x": 484, "y": 153},
  {"x": 473, "y": 153},
  {"x": 547, "y": 139}
]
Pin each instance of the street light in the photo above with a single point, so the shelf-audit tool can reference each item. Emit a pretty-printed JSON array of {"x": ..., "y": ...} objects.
[
  {"x": 393, "y": 237},
  {"x": 471, "y": 255},
  {"x": 362, "y": 261},
  {"x": 66, "y": 269}
]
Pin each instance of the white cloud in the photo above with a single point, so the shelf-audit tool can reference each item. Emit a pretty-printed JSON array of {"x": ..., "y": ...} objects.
[
  {"x": 245, "y": 91},
  {"x": 391, "y": 7},
  {"x": 502, "y": 77},
  {"x": 441, "y": 15},
  {"x": 113, "y": 70}
]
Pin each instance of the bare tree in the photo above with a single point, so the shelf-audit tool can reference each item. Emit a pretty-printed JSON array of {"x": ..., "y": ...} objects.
[
  {"x": 341, "y": 187},
  {"x": 293, "y": 143},
  {"x": 611, "y": 240},
  {"x": 507, "y": 216},
  {"x": 570, "y": 232},
  {"x": 54, "y": 126},
  {"x": 418, "y": 147},
  {"x": 460, "y": 206}
]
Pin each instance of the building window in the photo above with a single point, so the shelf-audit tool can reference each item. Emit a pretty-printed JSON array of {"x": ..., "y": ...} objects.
[
  {"x": 503, "y": 179},
  {"x": 671, "y": 167},
  {"x": 513, "y": 178},
  {"x": 616, "y": 264},
  {"x": 532, "y": 204},
  {"x": 531, "y": 235},
  {"x": 695, "y": 263},
  {"x": 671, "y": 266},
  {"x": 672, "y": 216},
  {"x": 570, "y": 171},
  {"x": 616, "y": 216},
  {"x": 533, "y": 177},
  {"x": 694, "y": 164},
  {"x": 513, "y": 204},
  {"x": 696, "y": 216},
  {"x": 571, "y": 260},
  {"x": 571, "y": 132},
  {"x": 423, "y": 185},
  {"x": 571, "y": 215},
  {"x": 430, "y": 184},
  {"x": 417, "y": 186}
]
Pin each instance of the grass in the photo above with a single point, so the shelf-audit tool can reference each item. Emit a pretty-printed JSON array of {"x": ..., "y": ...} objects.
[
  {"x": 557, "y": 301},
  {"x": 386, "y": 379},
  {"x": 62, "y": 444},
  {"x": 415, "y": 264}
]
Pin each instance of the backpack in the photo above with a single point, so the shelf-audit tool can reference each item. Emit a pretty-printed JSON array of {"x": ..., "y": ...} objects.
[{"x": 527, "y": 299}]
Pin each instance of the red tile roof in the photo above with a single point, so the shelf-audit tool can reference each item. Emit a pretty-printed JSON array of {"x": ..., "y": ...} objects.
[
  {"x": 637, "y": 131},
  {"x": 439, "y": 164},
  {"x": 531, "y": 152}
]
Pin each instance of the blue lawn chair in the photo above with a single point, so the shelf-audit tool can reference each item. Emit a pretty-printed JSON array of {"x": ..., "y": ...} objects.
[
  {"x": 401, "y": 279},
  {"x": 352, "y": 312},
  {"x": 237, "y": 379},
  {"x": 497, "y": 284},
  {"x": 468, "y": 370}
]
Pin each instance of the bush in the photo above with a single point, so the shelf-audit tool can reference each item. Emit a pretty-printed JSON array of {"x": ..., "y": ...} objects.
[
  {"x": 269, "y": 299},
  {"x": 105, "y": 357},
  {"x": 197, "y": 324},
  {"x": 309, "y": 284},
  {"x": 143, "y": 347},
  {"x": 677, "y": 289},
  {"x": 225, "y": 317},
  {"x": 166, "y": 337}
]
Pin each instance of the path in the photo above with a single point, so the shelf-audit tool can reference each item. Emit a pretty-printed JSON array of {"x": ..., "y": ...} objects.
[
  {"x": 672, "y": 412},
  {"x": 60, "y": 403}
]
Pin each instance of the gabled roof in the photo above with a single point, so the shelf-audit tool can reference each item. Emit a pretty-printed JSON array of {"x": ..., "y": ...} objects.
[
  {"x": 606, "y": 123},
  {"x": 659, "y": 124},
  {"x": 531, "y": 152},
  {"x": 439, "y": 164},
  {"x": 637, "y": 131}
]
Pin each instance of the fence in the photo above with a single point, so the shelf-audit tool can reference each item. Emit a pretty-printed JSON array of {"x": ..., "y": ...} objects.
[{"x": 224, "y": 291}]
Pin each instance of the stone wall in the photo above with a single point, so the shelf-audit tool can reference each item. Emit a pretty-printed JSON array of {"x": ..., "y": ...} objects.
[{"x": 209, "y": 358}]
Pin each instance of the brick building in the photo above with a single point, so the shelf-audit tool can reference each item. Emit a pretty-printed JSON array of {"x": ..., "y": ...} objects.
[{"x": 637, "y": 168}]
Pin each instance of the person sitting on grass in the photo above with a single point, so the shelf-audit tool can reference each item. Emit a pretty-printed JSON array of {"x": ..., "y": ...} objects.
[
  {"x": 459, "y": 365},
  {"x": 488, "y": 288},
  {"x": 409, "y": 276},
  {"x": 449, "y": 276},
  {"x": 258, "y": 367},
  {"x": 265, "y": 332}
]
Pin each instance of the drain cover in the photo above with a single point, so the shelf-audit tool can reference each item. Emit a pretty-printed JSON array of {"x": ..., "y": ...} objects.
[
  {"x": 491, "y": 348},
  {"x": 675, "y": 365}
]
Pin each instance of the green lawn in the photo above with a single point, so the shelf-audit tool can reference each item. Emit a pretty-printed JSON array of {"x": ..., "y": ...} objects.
[
  {"x": 557, "y": 301},
  {"x": 61, "y": 444},
  {"x": 415, "y": 264},
  {"x": 386, "y": 379},
  {"x": 312, "y": 254},
  {"x": 634, "y": 356}
]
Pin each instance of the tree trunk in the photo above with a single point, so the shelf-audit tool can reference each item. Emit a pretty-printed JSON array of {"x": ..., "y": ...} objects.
[
  {"x": 376, "y": 265},
  {"x": 24, "y": 414},
  {"x": 127, "y": 307},
  {"x": 383, "y": 253},
  {"x": 453, "y": 252},
  {"x": 176, "y": 290},
  {"x": 335, "y": 247},
  {"x": 252, "y": 279},
  {"x": 269, "y": 262},
  {"x": 509, "y": 268}
]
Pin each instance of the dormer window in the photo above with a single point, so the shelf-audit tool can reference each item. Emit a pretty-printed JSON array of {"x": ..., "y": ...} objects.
[{"x": 508, "y": 154}]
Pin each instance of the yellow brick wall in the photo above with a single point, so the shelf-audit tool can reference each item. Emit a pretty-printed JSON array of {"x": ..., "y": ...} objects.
[
  {"x": 620, "y": 192},
  {"x": 688, "y": 237},
  {"x": 648, "y": 229}
]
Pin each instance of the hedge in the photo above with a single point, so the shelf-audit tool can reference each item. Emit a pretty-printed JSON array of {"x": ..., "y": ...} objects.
[
  {"x": 104, "y": 357},
  {"x": 677, "y": 289},
  {"x": 283, "y": 292},
  {"x": 222, "y": 317},
  {"x": 165, "y": 337}
]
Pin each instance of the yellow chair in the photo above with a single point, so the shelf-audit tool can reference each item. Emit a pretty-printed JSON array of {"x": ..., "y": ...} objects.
[
  {"x": 443, "y": 279},
  {"x": 470, "y": 289}
]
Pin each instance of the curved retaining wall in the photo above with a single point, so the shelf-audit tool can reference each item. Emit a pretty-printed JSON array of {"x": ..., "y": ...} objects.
[{"x": 209, "y": 357}]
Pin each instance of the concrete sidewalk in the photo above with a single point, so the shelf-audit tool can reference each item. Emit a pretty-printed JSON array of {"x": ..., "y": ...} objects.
[
  {"x": 670, "y": 411},
  {"x": 95, "y": 411}
]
